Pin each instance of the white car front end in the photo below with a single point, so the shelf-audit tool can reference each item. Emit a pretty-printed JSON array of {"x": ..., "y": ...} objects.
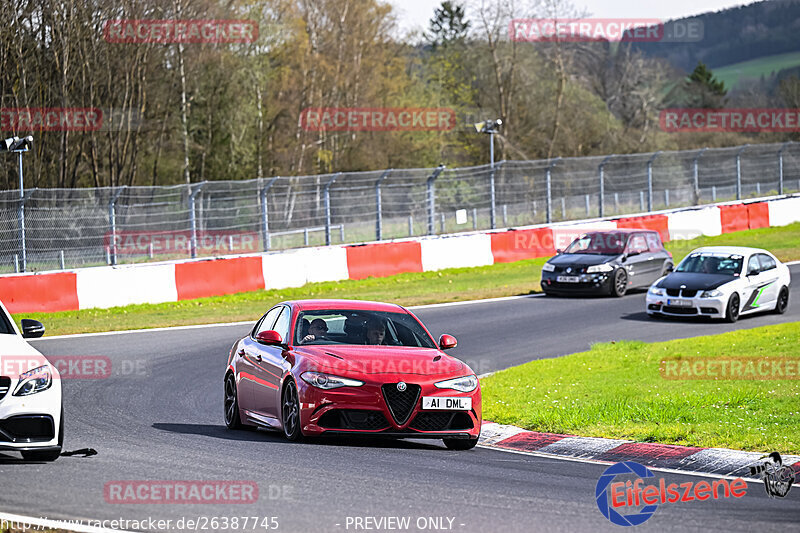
[
  {"x": 30, "y": 398},
  {"x": 683, "y": 302}
]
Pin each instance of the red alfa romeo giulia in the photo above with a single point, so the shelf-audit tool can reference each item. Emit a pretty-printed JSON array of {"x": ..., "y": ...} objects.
[{"x": 343, "y": 367}]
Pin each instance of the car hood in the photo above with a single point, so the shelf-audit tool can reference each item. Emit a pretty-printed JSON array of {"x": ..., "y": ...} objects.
[
  {"x": 17, "y": 356},
  {"x": 581, "y": 259},
  {"x": 382, "y": 360},
  {"x": 694, "y": 281}
]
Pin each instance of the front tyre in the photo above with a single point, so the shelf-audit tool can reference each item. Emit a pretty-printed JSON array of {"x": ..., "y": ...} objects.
[
  {"x": 460, "y": 444},
  {"x": 232, "y": 419},
  {"x": 290, "y": 412},
  {"x": 732, "y": 314},
  {"x": 783, "y": 301},
  {"x": 619, "y": 283}
]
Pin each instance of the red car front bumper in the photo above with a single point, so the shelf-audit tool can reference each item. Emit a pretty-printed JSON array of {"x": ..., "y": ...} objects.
[{"x": 379, "y": 408}]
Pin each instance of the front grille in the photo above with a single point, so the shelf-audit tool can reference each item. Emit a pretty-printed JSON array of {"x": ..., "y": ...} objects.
[
  {"x": 680, "y": 310},
  {"x": 401, "y": 403},
  {"x": 686, "y": 293},
  {"x": 438, "y": 421},
  {"x": 353, "y": 419},
  {"x": 27, "y": 428},
  {"x": 5, "y": 384}
]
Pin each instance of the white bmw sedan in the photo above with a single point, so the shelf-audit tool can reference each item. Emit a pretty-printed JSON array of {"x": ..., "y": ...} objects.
[
  {"x": 31, "y": 413},
  {"x": 722, "y": 282}
]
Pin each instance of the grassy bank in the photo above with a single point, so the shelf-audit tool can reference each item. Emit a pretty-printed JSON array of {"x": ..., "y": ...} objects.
[
  {"x": 449, "y": 285},
  {"x": 616, "y": 390}
]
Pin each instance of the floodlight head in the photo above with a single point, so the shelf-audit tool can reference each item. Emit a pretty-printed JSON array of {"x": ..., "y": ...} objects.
[{"x": 15, "y": 144}]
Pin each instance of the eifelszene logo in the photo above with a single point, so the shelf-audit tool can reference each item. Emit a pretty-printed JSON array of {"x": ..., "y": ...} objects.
[{"x": 615, "y": 497}]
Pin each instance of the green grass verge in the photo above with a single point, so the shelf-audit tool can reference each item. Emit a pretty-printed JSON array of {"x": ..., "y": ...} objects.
[
  {"x": 456, "y": 284},
  {"x": 615, "y": 390},
  {"x": 753, "y": 69}
]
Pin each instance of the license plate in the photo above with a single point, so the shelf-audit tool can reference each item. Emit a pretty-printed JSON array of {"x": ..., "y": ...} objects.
[
  {"x": 447, "y": 403},
  {"x": 568, "y": 279},
  {"x": 680, "y": 303}
]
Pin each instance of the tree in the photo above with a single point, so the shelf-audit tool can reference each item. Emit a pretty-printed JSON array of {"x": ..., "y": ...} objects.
[
  {"x": 448, "y": 25},
  {"x": 701, "y": 90}
]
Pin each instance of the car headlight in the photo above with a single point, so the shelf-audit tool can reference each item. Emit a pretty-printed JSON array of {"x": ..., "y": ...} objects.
[
  {"x": 465, "y": 384},
  {"x": 328, "y": 381},
  {"x": 711, "y": 294},
  {"x": 33, "y": 381},
  {"x": 594, "y": 269},
  {"x": 656, "y": 291},
  {"x": 547, "y": 267}
]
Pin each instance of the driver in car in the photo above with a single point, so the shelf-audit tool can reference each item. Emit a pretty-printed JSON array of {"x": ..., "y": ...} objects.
[
  {"x": 376, "y": 331},
  {"x": 316, "y": 331}
]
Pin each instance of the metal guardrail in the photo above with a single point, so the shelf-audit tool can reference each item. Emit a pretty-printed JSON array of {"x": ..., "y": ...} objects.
[{"x": 66, "y": 228}]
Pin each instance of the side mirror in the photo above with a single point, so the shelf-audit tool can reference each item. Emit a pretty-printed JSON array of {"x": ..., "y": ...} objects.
[
  {"x": 269, "y": 337},
  {"x": 670, "y": 268},
  {"x": 32, "y": 329},
  {"x": 752, "y": 272},
  {"x": 559, "y": 251},
  {"x": 447, "y": 341}
]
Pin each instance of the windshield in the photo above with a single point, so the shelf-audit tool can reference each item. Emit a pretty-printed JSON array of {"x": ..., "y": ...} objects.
[
  {"x": 360, "y": 327},
  {"x": 598, "y": 243},
  {"x": 712, "y": 263}
]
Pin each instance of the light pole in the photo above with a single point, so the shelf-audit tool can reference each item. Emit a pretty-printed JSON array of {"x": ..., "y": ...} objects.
[
  {"x": 18, "y": 146},
  {"x": 489, "y": 127}
]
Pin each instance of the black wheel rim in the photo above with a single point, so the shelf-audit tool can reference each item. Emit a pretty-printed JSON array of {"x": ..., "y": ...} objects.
[
  {"x": 290, "y": 410},
  {"x": 230, "y": 400},
  {"x": 734, "y": 310},
  {"x": 783, "y": 300},
  {"x": 621, "y": 282}
]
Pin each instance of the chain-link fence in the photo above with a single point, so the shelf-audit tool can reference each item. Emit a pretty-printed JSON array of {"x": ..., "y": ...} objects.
[{"x": 63, "y": 228}]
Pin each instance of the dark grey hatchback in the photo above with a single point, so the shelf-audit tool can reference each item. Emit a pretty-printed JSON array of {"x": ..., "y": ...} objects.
[{"x": 607, "y": 262}]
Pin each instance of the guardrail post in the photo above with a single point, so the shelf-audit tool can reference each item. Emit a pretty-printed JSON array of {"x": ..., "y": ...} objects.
[
  {"x": 265, "y": 213},
  {"x": 739, "y": 172},
  {"x": 328, "y": 208},
  {"x": 379, "y": 207},
  {"x": 695, "y": 164},
  {"x": 549, "y": 189},
  {"x": 432, "y": 198},
  {"x": 193, "y": 192},
  {"x": 780, "y": 166},
  {"x": 601, "y": 177},
  {"x": 493, "y": 211},
  {"x": 112, "y": 221},
  {"x": 650, "y": 181}
]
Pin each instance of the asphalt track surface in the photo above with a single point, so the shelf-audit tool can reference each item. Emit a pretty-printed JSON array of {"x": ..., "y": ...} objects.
[{"x": 164, "y": 422}]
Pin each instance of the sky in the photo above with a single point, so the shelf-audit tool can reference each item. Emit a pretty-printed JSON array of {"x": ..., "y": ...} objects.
[{"x": 415, "y": 14}]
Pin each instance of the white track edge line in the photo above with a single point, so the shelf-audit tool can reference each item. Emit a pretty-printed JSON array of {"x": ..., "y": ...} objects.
[{"x": 59, "y": 524}]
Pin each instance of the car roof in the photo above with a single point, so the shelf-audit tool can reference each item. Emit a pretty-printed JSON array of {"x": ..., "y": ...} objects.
[
  {"x": 354, "y": 305},
  {"x": 733, "y": 250}
]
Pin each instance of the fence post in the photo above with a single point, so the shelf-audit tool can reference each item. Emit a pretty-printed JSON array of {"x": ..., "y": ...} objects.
[
  {"x": 493, "y": 211},
  {"x": 650, "y": 181},
  {"x": 603, "y": 184},
  {"x": 265, "y": 213},
  {"x": 21, "y": 216},
  {"x": 697, "y": 176},
  {"x": 780, "y": 166},
  {"x": 193, "y": 192},
  {"x": 112, "y": 221},
  {"x": 739, "y": 172},
  {"x": 432, "y": 199},
  {"x": 549, "y": 189},
  {"x": 379, "y": 207},
  {"x": 328, "y": 208}
]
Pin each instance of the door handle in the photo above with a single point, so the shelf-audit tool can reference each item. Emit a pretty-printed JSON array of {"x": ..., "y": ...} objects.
[
  {"x": 258, "y": 357},
  {"x": 241, "y": 352}
]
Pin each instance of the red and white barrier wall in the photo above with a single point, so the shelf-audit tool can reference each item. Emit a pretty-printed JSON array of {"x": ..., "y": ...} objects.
[{"x": 103, "y": 287}]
